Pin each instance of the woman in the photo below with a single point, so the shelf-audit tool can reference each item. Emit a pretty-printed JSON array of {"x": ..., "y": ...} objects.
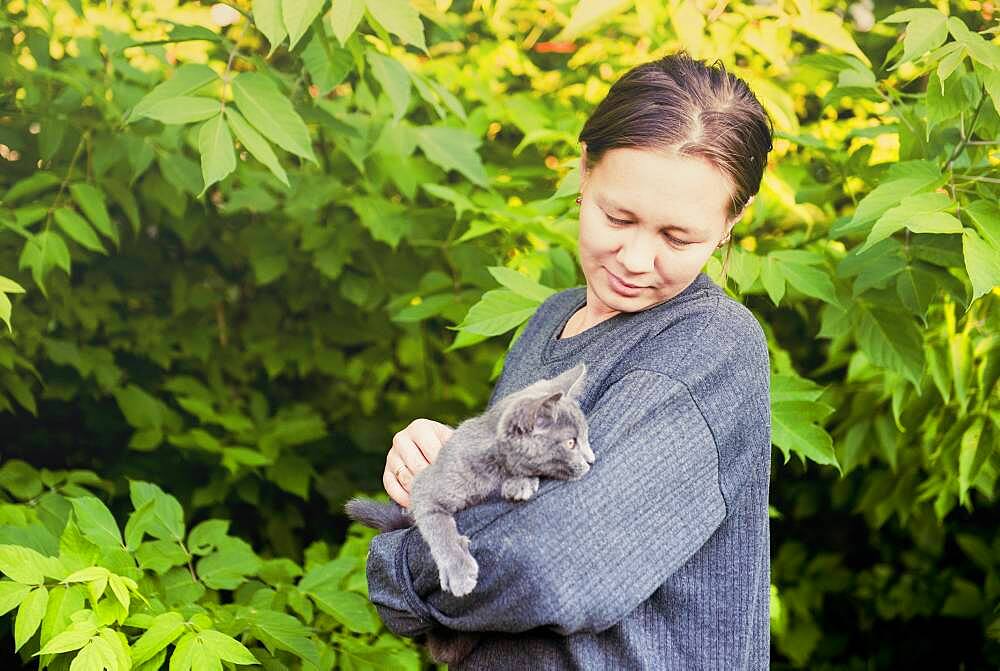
[{"x": 659, "y": 557}]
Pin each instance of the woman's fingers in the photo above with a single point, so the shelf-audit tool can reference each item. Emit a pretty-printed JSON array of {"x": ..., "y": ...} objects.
[
  {"x": 394, "y": 489},
  {"x": 417, "y": 447},
  {"x": 407, "y": 451}
]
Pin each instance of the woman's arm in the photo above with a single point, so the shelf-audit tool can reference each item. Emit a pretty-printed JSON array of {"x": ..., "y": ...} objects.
[{"x": 580, "y": 555}]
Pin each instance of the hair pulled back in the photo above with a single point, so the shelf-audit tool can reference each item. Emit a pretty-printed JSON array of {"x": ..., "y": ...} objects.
[{"x": 680, "y": 105}]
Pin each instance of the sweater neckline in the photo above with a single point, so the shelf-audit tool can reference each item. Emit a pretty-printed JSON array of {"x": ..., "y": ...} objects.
[{"x": 558, "y": 348}]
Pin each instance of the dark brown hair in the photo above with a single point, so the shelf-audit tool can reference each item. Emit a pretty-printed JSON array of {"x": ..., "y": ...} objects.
[{"x": 680, "y": 105}]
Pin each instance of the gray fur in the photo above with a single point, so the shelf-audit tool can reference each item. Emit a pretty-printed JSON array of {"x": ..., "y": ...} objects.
[{"x": 507, "y": 449}]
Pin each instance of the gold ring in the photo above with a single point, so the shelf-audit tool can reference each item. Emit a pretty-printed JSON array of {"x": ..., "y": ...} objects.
[{"x": 400, "y": 470}]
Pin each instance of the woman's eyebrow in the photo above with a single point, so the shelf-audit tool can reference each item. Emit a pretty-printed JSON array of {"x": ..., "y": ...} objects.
[{"x": 611, "y": 205}]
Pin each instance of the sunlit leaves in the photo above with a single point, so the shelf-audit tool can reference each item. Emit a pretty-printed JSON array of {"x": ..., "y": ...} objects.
[
  {"x": 298, "y": 15},
  {"x": 268, "y": 18},
  {"x": 400, "y": 18},
  {"x": 982, "y": 261},
  {"x": 7, "y": 286},
  {"x": 216, "y": 147},
  {"x": 392, "y": 76},
  {"x": 271, "y": 113},
  {"x": 182, "y": 109},
  {"x": 926, "y": 30},
  {"x": 453, "y": 149},
  {"x": 255, "y": 144},
  {"x": 187, "y": 79},
  {"x": 345, "y": 15}
]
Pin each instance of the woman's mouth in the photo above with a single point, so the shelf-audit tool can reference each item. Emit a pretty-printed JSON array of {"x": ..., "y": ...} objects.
[{"x": 621, "y": 287}]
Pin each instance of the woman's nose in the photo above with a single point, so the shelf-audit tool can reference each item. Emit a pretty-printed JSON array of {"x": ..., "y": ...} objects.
[{"x": 636, "y": 254}]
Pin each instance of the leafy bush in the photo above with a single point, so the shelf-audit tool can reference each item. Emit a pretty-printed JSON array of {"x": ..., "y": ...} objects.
[
  {"x": 100, "y": 598},
  {"x": 236, "y": 258}
]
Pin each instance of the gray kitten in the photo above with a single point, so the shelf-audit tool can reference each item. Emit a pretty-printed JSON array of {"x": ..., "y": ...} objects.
[{"x": 536, "y": 432}]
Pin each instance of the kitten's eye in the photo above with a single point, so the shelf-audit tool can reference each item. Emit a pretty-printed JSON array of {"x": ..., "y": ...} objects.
[{"x": 570, "y": 443}]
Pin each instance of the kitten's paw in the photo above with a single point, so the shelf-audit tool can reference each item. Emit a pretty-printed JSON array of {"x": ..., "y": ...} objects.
[
  {"x": 519, "y": 489},
  {"x": 459, "y": 575}
]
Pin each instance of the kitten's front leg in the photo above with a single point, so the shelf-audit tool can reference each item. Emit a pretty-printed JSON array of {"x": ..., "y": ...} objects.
[{"x": 519, "y": 489}]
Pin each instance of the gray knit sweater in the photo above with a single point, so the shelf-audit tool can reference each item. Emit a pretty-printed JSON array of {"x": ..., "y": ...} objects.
[{"x": 659, "y": 557}]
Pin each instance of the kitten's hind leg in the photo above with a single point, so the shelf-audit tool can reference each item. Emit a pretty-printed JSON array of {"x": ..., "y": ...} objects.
[
  {"x": 456, "y": 565},
  {"x": 519, "y": 489}
]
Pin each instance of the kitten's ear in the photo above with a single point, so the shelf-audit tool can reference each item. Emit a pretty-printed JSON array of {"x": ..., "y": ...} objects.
[
  {"x": 572, "y": 380},
  {"x": 525, "y": 415}
]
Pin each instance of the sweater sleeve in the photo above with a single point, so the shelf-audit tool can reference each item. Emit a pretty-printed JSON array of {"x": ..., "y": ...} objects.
[{"x": 579, "y": 555}]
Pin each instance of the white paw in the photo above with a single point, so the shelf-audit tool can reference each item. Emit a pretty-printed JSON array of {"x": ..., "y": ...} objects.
[{"x": 459, "y": 576}]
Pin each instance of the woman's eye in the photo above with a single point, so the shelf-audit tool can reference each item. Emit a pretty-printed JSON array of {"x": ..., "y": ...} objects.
[
  {"x": 623, "y": 222},
  {"x": 675, "y": 240}
]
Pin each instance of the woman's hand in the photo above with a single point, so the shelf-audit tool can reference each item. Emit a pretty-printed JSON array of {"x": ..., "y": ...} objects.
[{"x": 417, "y": 446}]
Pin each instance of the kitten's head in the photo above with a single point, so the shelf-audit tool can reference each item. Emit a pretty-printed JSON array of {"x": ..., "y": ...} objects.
[{"x": 542, "y": 430}]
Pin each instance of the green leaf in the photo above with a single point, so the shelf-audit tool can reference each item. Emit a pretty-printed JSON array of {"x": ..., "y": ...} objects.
[
  {"x": 229, "y": 567},
  {"x": 520, "y": 283},
  {"x": 160, "y": 556},
  {"x": 29, "y": 616},
  {"x": 982, "y": 261},
  {"x": 976, "y": 446},
  {"x": 497, "y": 312},
  {"x": 255, "y": 144},
  {"x": 37, "y": 183},
  {"x": 79, "y": 633},
  {"x": 400, "y": 18},
  {"x": 772, "y": 279},
  {"x": 63, "y": 602},
  {"x": 587, "y": 14},
  {"x": 96, "y": 522},
  {"x": 42, "y": 253},
  {"x": 140, "y": 409},
  {"x": 298, "y": 15},
  {"x": 921, "y": 213},
  {"x": 349, "y": 608},
  {"x": 183, "y": 109},
  {"x": 77, "y": 228},
  {"x": 188, "y": 78},
  {"x": 120, "y": 589},
  {"x": 796, "y": 428},
  {"x": 394, "y": 80},
  {"x": 948, "y": 98},
  {"x": 902, "y": 180},
  {"x": 91, "y": 201},
  {"x": 917, "y": 285},
  {"x": 283, "y": 632},
  {"x": 5, "y": 309},
  {"x": 183, "y": 655},
  {"x": 168, "y": 515},
  {"x": 453, "y": 149},
  {"x": 828, "y": 28},
  {"x": 138, "y": 522},
  {"x": 979, "y": 49},
  {"x": 27, "y": 566},
  {"x": 927, "y": 30},
  {"x": 293, "y": 474},
  {"x": 225, "y": 647},
  {"x": 345, "y": 15},
  {"x": 327, "y": 64},
  {"x": 267, "y": 17},
  {"x": 810, "y": 281},
  {"x": 385, "y": 220},
  {"x": 207, "y": 536},
  {"x": 165, "y": 629},
  {"x": 271, "y": 113},
  {"x": 11, "y": 594},
  {"x": 891, "y": 340},
  {"x": 216, "y": 147},
  {"x": 985, "y": 217}
]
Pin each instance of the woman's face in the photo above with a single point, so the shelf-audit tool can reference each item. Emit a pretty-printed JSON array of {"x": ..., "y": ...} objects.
[{"x": 651, "y": 220}]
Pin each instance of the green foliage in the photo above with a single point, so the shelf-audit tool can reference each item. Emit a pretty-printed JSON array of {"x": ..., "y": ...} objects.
[
  {"x": 195, "y": 599},
  {"x": 262, "y": 248}
]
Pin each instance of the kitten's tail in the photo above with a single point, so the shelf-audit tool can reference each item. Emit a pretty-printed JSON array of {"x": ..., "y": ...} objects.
[{"x": 381, "y": 516}]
